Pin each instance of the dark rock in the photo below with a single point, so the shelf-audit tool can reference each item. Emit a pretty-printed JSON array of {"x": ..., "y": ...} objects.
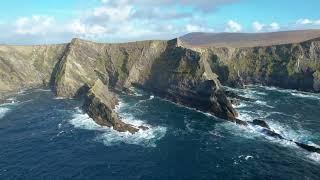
[
  {"x": 235, "y": 102},
  {"x": 271, "y": 133},
  {"x": 308, "y": 147},
  {"x": 261, "y": 123},
  {"x": 241, "y": 122},
  {"x": 235, "y": 96},
  {"x": 143, "y": 127},
  {"x": 100, "y": 103}
]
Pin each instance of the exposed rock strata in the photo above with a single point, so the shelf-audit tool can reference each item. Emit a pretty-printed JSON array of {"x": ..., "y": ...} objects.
[
  {"x": 287, "y": 63},
  {"x": 188, "y": 76},
  {"x": 25, "y": 67},
  {"x": 270, "y": 132},
  {"x": 100, "y": 104},
  {"x": 161, "y": 67}
]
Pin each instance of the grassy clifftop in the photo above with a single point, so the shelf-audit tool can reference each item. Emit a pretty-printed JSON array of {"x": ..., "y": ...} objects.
[
  {"x": 27, "y": 66},
  {"x": 293, "y": 66}
]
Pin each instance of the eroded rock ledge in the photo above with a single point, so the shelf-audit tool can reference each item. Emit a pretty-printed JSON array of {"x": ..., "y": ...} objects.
[
  {"x": 100, "y": 103},
  {"x": 189, "y": 76}
]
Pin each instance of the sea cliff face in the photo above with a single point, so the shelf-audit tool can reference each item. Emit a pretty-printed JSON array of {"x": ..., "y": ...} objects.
[
  {"x": 100, "y": 103},
  {"x": 293, "y": 66},
  {"x": 175, "y": 73},
  {"x": 24, "y": 67},
  {"x": 289, "y": 65},
  {"x": 187, "y": 75}
]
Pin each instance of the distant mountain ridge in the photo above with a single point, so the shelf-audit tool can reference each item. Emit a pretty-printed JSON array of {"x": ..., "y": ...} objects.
[{"x": 238, "y": 40}]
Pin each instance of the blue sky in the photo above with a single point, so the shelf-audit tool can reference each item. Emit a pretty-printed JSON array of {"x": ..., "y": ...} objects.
[{"x": 38, "y": 21}]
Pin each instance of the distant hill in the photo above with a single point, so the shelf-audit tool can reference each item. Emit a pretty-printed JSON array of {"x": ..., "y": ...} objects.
[{"x": 236, "y": 40}]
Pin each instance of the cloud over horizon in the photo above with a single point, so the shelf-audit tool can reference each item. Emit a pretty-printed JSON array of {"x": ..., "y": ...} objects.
[{"x": 131, "y": 20}]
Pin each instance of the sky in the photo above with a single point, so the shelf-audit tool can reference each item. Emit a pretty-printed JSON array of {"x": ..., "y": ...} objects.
[{"x": 58, "y": 21}]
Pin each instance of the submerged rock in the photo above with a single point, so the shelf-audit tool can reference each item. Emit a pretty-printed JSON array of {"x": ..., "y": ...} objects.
[
  {"x": 269, "y": 132},
  {"x": 261, "y": 123},
  {"x": 235, "y": 96},
  {"x": 100, "y": 104},
  {"x": 308, "y": 147},
  {"x": 235, "y": 102}
]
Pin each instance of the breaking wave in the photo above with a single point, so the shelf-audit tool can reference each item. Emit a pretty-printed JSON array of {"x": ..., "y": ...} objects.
[
  {"x": 110, "y": 137},
  {"x": 305, "y": 95},
  {"x": 251, "y": 132},
  {"x": 5, "y": 108},
  {"x": 3, "y": 111}
]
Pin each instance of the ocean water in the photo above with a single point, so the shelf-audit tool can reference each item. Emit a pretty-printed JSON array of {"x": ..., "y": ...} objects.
[{"x": 43, "y": 137}]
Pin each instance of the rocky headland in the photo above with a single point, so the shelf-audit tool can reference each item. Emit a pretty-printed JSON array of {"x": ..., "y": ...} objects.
[
  {"x": 289, "y": 59},
  {"x": 177, "y": 70}
]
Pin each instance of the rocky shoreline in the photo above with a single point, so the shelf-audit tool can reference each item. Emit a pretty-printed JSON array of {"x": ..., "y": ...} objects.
[{"x": 188, "y": 76}]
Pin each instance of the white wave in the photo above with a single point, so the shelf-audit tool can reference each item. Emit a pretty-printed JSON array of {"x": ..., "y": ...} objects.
[
  {"x": 260, "y": 93},
  {"x": 42, "y": 90},
  {"x": 286, "y": 131},
  {"x": 272, "y": 88},
  {"x": 110, "y": 137},
  {"x": 136, "y": 92},
  {"x": 59, "y": 98},
  {"x": 3, "y": 111},
  {"x": 83, "y": 121},
  {"x": 6, "y": 107},
  {"x": 142, "y": 101},
  {"x": 314, "y": 157},
  {"x": 251, "y": 132},
  {"x": 247, "y": 115},
  {"x": 241, "y": 105},
  {"x": 250, "y": 95},
  {"x": 245, "y": 157},
  {"x": 248, "y": 157},
  {"x": 305, "y": 95},
  {"x": 263, "y": 103},
  {"x": 248, "y": 132},
  {"x": 147, "y": 138}
]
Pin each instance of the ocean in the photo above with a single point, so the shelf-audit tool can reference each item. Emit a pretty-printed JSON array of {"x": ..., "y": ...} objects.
[{"x": 44, "y": 137}]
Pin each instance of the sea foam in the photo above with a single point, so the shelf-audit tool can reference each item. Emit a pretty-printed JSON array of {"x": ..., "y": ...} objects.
[
  {"x": 305, "y": 95},
  {"x": 110, "y": 137},
  {"x": 3, "y": 111}
]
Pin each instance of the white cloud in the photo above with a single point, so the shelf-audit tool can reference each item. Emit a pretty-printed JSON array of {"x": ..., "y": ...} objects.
[
  {"x": 78, "y": 28},
  {"x": 34, "y": 25},
  {"x": 196, "y": 28},
  {"x": 261, "y": 27},
  {"x": 257, "y": 26},
  {"x": 306, "y": 21},
  {"x": 117, "y": 14},
  {"x": 233, "y": 26},
  {"x": 201, "y": 5},
  {"x": 274, "y": 26}
]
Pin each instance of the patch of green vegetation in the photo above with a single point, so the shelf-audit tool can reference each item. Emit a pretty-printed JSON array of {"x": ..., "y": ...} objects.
[{"x": 316, "y": 75}]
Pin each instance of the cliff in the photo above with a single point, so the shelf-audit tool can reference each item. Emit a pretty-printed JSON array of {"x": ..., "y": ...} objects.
[
  {"x": 173, "y": 70},
  {"x": 288, "y": 63},
  {"x": 170, "y": 69},
  {"x": 100, "y": 103},
  {"x": 161, "y": 67},
  {"x": 23, "y": 67}
]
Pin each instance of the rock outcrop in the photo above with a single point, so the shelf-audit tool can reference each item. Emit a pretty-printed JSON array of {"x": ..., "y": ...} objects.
[
  {"x": 284, "y": 59},
  {"x": 184, "y": 76},
  {"x": 25, "y": 67},
  {"x": 187, "y": 75},
  {"x": 99, "y": 104},
  {"x": 161, "y": 67},
  {"x": 268, "y": 131}
]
